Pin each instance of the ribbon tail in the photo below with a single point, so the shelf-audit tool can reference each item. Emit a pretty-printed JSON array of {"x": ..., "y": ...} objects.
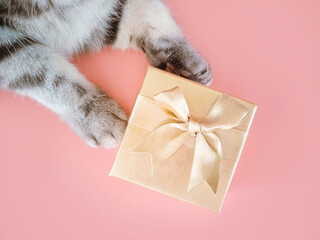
[
  {"x": 206, "y": 163},
  {"x": 163, "y": 142}
]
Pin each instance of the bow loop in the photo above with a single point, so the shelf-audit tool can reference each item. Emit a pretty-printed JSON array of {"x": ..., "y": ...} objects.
[
  {"x": 173, "y": 103},
  {"x": 226, "y": 113}
]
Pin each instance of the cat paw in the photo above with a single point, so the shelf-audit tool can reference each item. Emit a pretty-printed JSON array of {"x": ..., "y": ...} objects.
[
  {"x": 178, "y": 57},
  {"x": 99, "y": 120}
]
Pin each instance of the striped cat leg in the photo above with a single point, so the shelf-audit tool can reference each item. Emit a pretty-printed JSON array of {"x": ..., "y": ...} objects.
[
  {"x": 148, "y": 25},
  {"x": 30, "y": 69}
]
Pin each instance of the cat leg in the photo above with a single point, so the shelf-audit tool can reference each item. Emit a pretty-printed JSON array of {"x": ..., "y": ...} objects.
[
  {"x": 31, "y": 69},
  {"x": 148, "y": 25}
]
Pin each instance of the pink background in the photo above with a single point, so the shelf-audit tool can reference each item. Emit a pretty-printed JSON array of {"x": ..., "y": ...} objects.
[{"x": 53, "y": 186}]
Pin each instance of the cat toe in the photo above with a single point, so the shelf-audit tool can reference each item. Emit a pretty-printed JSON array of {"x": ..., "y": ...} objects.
[
  {"x": 99, "y": 120},
  {"x": 203, "y": 76},
  {"x": 108, "y": 136},
  {"x": 180, "y": 58},
  {"x": 111, "y": 139}
]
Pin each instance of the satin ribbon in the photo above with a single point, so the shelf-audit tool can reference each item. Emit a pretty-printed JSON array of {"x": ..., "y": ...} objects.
[{"x": 163, "y": 141}]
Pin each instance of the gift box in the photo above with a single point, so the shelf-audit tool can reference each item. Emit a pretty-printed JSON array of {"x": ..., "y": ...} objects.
[{"x": 183, "y": 139}]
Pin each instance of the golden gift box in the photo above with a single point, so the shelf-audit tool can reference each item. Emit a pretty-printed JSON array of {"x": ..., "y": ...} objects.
[{"x": 183, "y": 139}]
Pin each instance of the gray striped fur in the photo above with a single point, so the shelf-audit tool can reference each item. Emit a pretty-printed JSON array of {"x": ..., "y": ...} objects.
[{"x": 38, "y": 36}]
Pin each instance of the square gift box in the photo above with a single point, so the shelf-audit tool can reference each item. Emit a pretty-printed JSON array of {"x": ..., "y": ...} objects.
[{"x": 183, "y": 139}]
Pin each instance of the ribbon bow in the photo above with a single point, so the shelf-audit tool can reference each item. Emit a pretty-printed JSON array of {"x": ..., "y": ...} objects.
[{"x": 163, "y": 141}]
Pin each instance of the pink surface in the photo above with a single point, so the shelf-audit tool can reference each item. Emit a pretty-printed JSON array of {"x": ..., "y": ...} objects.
[{"x": 52, "y": 186}]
